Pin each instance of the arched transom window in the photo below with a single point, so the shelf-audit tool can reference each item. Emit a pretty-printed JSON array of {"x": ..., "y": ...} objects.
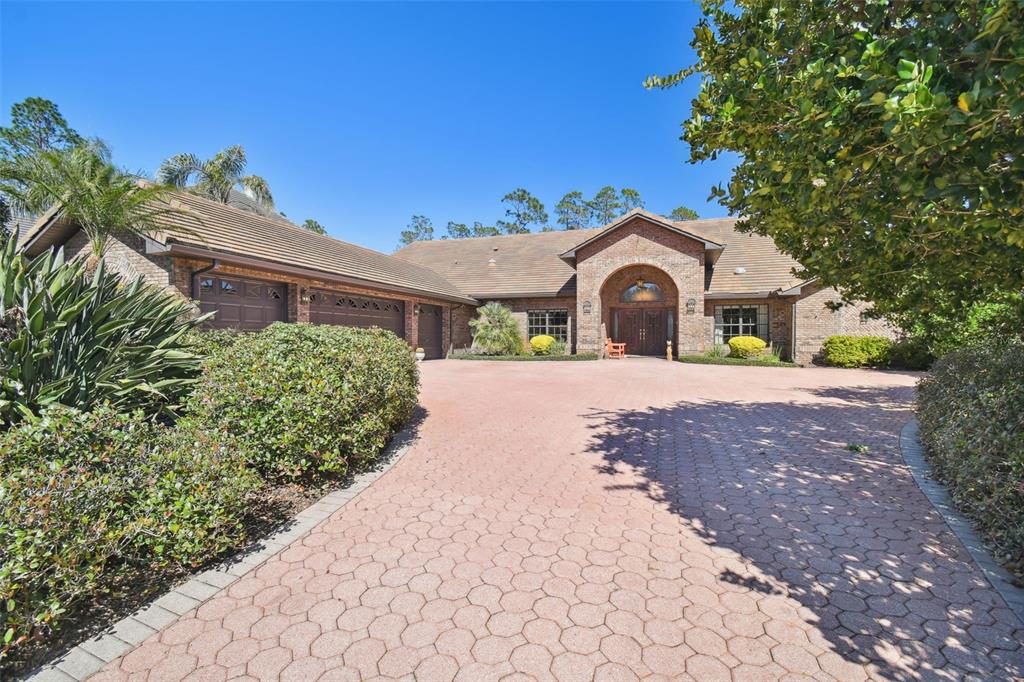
[{"x": 642, "y": 292}]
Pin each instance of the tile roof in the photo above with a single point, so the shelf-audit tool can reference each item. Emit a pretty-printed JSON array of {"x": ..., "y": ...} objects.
[
  {"x": 226, "y": 231},
  {"x": 524, "y": 264},
  {"x": 20, "y": 223},
  {"x": 767, "y": 269},
  {"x": 530, "y": 264}
]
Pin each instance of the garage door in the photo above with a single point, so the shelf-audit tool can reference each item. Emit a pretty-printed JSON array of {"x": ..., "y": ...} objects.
[
  {"x": 331, "y": 307},
  {"x": 430, "y": 331},
  {"x": 244, "y": 304}
]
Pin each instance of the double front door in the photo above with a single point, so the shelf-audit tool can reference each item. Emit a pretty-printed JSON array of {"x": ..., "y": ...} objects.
[{"x": 643, "y": 330}]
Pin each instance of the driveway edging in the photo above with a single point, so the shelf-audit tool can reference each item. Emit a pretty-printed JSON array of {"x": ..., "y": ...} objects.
[
  {"x": 89, "y": 657},
  {"x": 999, "y": 577}
]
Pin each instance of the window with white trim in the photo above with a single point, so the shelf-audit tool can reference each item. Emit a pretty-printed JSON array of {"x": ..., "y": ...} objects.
[
  {"x": 741, "y": 320},
  {"x": 554, "y": 323}
]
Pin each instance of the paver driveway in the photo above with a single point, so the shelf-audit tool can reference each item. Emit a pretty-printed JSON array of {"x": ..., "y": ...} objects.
[{"x": 615, "y": 520}]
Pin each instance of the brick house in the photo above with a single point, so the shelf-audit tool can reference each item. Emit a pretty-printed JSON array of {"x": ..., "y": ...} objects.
[
  {"x": 646, "y": 281},
  {"x": 642, "y": 280}
]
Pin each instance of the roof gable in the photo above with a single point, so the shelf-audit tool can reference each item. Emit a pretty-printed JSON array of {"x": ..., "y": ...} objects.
[{"x": 570, "y": 255}]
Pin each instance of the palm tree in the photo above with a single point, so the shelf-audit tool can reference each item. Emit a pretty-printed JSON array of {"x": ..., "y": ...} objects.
[
  {"x": 495, "y": 331},
  {"x": 215, "y": 178},
  {"x": 93, "y": 194}
]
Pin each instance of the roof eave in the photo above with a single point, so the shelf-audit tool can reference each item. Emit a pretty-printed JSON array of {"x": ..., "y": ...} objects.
[
  {"x": 49, "y": 218},
  {"x": 735, "y": 294},
  {"x": 570, "y": 255},
  {"x": 178, "y": 249},
  {"x": 798, "y": 289}
]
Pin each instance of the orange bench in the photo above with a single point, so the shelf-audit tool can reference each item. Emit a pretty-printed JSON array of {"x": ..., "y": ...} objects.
[{"x": 615, "y": 350}]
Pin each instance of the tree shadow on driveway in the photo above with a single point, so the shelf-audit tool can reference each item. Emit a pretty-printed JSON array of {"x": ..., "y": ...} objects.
[{"x": 815, "y": 499}]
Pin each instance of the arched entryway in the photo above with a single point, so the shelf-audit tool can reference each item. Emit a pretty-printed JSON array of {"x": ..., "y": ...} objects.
[{"x": 639, "y": 307}]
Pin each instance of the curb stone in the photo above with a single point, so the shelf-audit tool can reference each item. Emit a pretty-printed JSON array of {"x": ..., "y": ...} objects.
[
  {"x": 89, "y": 657},
  {"x": 1000, "y": 578}
]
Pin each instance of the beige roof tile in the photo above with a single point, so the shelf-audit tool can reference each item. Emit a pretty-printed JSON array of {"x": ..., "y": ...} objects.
[
  {"x": 233, "y": 230},
  {"x": 523, "y": 264},
  {"x": 530, "y": 264},
  {"x": 209, "y": 225}
]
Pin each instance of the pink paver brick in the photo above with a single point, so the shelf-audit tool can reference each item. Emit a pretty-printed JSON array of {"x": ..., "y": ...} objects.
[{"x": 619, "y": 520}]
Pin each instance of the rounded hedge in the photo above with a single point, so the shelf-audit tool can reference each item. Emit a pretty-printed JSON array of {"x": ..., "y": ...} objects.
[
  {"x": 856, "y": 351},
  {"x": 542, "y": 344},
  {"x": 746, "y": 346},
  {"x": 90, "y": 502},
  {"x": 309, "y": 398},
  {"x": 971, "y": 412}
]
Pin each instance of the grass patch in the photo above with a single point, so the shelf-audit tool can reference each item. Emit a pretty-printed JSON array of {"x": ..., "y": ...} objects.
[
  {"x": 525, "y": 358},
  {"x": 771, "y": 361}
]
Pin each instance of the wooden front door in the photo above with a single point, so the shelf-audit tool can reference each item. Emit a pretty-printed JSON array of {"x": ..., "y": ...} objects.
[
  {"x": 643, "y": 330},
  {"x": 429, "y": 331}
]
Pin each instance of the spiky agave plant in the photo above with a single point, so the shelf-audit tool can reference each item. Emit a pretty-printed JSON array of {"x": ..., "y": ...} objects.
[
  {"x": 495, "y": 331},
  {"x": 79, "y": 340}
]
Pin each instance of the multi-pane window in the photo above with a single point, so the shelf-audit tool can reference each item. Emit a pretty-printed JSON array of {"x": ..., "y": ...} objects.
[
  {"x": 554, "y": 323},
  {"x": 741, "y": 320}
]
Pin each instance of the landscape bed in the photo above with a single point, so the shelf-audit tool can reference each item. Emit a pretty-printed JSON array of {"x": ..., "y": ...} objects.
[
  {"x": 747, "y": 362},
  {"x": 525, "y": 358}
]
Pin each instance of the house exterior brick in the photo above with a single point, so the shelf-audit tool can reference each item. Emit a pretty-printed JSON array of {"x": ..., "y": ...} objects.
[
  {"x": 696, "y": 265},
  {"x": 780, "y": 314},
  {"x": 814, "y": 321},
  {"x": 127, "y": 257},
  {"x": 639, "y": 244}
]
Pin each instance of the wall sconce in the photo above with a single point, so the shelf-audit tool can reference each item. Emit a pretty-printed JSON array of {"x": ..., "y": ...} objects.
[
  {"x": 304, "y": 296},
  {"x": 691, "y": 306},
  {"x": 416, "y": 309},
  {"x": 586, "y": 307}
]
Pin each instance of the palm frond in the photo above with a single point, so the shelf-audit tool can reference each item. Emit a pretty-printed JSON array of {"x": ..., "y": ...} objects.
[
  {"x": 259, "y": 188},
  {"x": 230, "y": 162},
  {"x": 177, "y": 170}
]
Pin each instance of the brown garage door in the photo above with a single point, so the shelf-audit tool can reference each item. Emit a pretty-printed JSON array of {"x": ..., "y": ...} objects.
[
  {"x": 244, "y": 304},
  {"x": 430, "y": 331},
  {"x": 331, "y": 307}
]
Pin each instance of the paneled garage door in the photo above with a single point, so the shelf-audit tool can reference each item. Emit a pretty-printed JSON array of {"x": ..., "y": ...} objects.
[
  {"x": 332, "y": 307},
  {"x": 430, "y": 331},
  {"x": 244, "y": 304}
]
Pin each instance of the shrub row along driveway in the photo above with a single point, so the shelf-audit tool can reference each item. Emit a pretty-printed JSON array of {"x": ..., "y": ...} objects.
[{"x": 615, "y": 520}]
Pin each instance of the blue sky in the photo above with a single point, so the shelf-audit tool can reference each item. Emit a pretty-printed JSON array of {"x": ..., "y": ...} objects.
[{"x": 360, "y": 115}]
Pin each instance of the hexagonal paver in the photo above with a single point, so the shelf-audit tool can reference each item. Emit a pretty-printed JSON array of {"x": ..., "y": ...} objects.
[{"x": 618, "y": 520}]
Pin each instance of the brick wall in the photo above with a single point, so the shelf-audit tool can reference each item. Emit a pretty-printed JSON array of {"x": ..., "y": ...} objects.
[
  {"x": 815, "y": 322},
  {"x": 780, "y": 313},
  {"x": 298, "y": 294},
  {"x": 127, "y": 257},
  {"x": 520, "y": 308},
  {"x": 640, "y": 242}
]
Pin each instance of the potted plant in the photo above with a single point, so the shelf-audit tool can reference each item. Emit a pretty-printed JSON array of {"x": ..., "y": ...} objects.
[{"x": 420, "y": 354}]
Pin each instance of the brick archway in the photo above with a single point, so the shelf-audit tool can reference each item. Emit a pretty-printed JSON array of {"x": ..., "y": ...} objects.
[{"x": 643, "y": 325}]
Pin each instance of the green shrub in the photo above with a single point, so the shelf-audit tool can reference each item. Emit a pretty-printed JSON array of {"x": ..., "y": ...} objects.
[
  {"x": 746, "y": 347},
  {"x": 92, "y": 501},
  {"x": 971, "y": 412},
  {"x": 909, "y": 354},
  {"x": 309, "y": 398},
  {"x": 541, "y": 345},
  {"x": 211, "y": 341},
  {"x": 80, "y": 341},
  {"x": 524, "y": 358},
  {"x": 856, "y": 351},
  {"x": 717, "y": 351},
  {"x": 766, "y": 360},
  {"x": 495, "y": 331}
]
